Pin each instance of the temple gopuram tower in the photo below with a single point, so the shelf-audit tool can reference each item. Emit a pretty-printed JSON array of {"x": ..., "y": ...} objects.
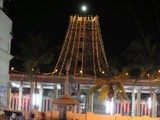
[
  {"x": 84, "y": 55},
  {"x": 83, "y": 48}
]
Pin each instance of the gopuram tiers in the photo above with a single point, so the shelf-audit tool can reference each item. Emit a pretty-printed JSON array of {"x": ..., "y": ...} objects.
[
  {"x": 82, "y": 48},
  {"x": 82, "y": 55}
]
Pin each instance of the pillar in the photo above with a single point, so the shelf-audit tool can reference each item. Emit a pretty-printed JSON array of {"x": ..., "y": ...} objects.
[
  {"x": 114, "y": 103},
  {"x": 90, "y": 104},
  {"x": 9, "y": 95},
  {"x": 154, "y": 106},
  {"x": 138, "y": 101},
  {"x": 55, "y": 95},
  {"x": 67, "y": 76},
  {"x": 133, "y": 104},
  {"x": 20, "y": 98},
  {"x": 40, "y": 98},
  {"x": 32, "y": 88}
]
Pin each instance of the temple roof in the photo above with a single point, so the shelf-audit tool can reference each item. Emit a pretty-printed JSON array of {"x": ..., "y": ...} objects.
[{"x": 65, "y": 100}]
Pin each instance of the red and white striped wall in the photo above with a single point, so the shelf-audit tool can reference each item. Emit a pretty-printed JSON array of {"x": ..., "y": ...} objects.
[
  {"x": 46, "y": 103},
  {"x": 125, "y": 109},
  {"x": 14, "y": 102},
  {"x": 25, "y": 102}
]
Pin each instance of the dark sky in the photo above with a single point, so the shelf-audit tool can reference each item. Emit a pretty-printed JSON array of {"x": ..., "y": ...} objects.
[{"x": 117, "y": 22}]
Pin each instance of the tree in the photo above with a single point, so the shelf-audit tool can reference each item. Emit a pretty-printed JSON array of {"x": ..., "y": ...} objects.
[
  {"x": 142, "y": 58},
  {"x": 34, "y": 53},
  {"x": 111, "y": 84}
]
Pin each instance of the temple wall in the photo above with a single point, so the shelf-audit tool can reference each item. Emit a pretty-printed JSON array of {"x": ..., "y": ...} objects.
[
  {"x": 92, "y": 116},
  {"x": 5, "y": 32},
  {"x": 54, "y": 115},
  {"x": 5, "y": 57}
]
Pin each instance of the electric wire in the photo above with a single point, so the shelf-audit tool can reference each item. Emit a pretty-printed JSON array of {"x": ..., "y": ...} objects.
[
  {"x": 157, "y": 19},
  {"x": 140, "y": 29}
]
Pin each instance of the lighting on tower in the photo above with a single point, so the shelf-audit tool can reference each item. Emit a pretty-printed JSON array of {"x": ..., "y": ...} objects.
[{"x": 81, "y": 71}]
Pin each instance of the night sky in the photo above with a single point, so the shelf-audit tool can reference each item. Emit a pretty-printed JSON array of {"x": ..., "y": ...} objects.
[{"x": 117, "y": 21}]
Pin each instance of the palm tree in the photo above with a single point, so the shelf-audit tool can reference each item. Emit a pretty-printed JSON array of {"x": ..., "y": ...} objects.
[
  {"x": 112, "y": 84},
  {"x": 139, "y": 59},
  {"x": 108, "y": 88},
  {"x": 143, "y": 59},
  {"x": 34, "y": 53}
]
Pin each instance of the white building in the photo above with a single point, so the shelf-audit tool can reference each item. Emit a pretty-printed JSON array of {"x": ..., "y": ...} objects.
[{"x": 5, "y": 56}]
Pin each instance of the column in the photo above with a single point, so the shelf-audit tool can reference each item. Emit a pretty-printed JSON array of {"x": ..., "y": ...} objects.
[
  {"x": 133, "y": 104},
  {"x": 9, "y": 96},
  {"x": 40, "y": 98},
  {"x": 20, "y": 98},
  {"x": 90, "y": 104},
  {"x": 32, "y": 89},
  {"x": 114, "y": 103},
  {"x": 154, "y": 106},
  {"x": 55, "y": 95},
  {"x": 67, "y": 76},
  {"x": 138, "y": 101}
]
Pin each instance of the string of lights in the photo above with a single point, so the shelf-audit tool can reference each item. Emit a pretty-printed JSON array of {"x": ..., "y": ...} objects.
[
  {"x": 73, "y": 47},
  {"x": 67, "y": 46},
  {"x": 93, "y": 50},
  {"x": 55, "y": 69},
  {"x": 83, "y": 43},
  {"x": 97, "y": 47},
  {"x": 101, "y": 43}
]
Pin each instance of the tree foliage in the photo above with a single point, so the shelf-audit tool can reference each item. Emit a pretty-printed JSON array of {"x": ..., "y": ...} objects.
[
  {"x": 107, "y": 89},
  {"x": 140, "y": 60},
  {"x": 35, "y": 52}
]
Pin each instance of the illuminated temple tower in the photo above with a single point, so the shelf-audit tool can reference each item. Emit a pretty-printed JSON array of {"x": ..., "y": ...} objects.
[
  {"x": 82, "y": 56},
  {"x": 83, "y": 48}
]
